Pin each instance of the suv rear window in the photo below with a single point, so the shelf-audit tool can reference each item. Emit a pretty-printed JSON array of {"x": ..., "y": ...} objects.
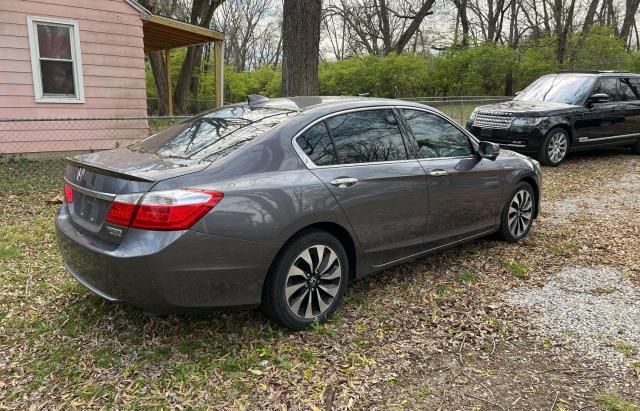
[{"x": 216, "y": 134}]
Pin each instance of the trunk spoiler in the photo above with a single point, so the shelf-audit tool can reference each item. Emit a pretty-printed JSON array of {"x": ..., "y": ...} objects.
[{"x": 108, "y": 171}]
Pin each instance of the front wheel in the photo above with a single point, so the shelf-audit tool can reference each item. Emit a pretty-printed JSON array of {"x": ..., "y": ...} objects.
[
  {"x": 554, "y": 147},
  {"x": 518, "y": 213},
  {"x": 307, "y": 281}
]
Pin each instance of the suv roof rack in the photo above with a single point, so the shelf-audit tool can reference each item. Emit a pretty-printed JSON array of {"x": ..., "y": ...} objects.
[{"x": 594, "y": 71}]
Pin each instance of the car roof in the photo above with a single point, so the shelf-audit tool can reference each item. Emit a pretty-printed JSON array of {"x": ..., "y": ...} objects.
[{"x": 308, "y": 103}]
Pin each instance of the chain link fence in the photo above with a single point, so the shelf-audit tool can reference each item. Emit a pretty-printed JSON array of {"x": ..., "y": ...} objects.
[
  {"x": 459, "y": 108},
  {"x": 32, "y": 149}
]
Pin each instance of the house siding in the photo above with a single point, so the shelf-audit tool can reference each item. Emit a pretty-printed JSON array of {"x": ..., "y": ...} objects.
[{"x": 112, "y": 49}]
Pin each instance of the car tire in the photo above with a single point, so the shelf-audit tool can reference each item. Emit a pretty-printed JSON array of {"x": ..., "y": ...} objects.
[
  {"x": 636, "y": 147},
  {"x": 517, "y": 216},
  {"x": 555, "y": 147},
  {"x": 307, "y": 281}
]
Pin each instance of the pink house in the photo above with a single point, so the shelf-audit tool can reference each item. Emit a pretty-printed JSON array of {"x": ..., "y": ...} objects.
[{"x": 78, "y": 59}]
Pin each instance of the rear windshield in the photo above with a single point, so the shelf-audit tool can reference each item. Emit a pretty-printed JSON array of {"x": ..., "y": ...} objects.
[
  {"x": 558, "y": 89},
  {"x": 216, "y": 134}
]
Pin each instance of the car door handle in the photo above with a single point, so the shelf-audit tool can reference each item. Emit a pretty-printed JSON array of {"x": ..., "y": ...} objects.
[
  {"x": 438, "y": 173},
  {"x": 344, "y": 182}
]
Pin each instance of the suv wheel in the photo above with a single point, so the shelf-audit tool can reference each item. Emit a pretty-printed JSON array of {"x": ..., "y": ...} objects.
[
  {"x": 555, "y": 147},
  {"x": 518, "y": 213},
  {"x": 636, "y": 147},
  {"x": 307, "y": 281}
]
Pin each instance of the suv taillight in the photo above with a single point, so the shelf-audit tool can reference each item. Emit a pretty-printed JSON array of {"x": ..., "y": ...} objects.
[{"x": 162, "y": 210}]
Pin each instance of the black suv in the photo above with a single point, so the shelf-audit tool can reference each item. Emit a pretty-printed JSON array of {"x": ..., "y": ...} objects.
[{"x": 565, "y": 112}]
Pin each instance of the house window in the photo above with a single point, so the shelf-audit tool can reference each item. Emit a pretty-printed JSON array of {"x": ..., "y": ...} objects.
[{"x": 55, "y": 60}]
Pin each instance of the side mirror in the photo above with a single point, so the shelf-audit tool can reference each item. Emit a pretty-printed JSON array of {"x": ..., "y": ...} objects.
[
  {"x": 488, "y": 150},
  {"x": 599, "y": 98},
  {"x": 517, "y": 92}
]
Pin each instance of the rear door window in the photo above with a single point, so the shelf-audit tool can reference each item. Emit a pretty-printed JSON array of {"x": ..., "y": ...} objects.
[
  {"x": 629, "y": 89},
  {"x": 436, "y": 137},
  {"x": 367, "y": 136},
  {"x": 608, "y": 86}
]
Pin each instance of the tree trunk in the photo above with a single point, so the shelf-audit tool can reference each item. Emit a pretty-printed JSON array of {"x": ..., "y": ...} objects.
[
  {"x": 424, "y": 11},
  {"x": 301, "y": 47},
  {"x": 201, "y": 15},
  {"x": 157, "y": 62},
  {"x": 185, "y": 78},
  {"x": 591, "y": 13},
  {"x": 461, "y": 5},
  {"x": 629, "y": 19}
]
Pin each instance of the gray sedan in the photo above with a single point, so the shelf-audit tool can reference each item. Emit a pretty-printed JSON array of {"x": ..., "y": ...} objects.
[{"x": 282, "y": 203}]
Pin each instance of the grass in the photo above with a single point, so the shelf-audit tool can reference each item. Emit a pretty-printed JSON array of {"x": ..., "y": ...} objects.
[
  {"x": 613, "y": 402},
  {"x": 627, "y": 349},
  {"x": 563, "y": 247},
  {"x": 61, "y": 347},
  {"x": 517, "y": 268},
  {"x": 466, "y": 277}
]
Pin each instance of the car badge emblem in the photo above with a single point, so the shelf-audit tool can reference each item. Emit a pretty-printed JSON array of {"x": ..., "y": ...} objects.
[{"x": 80, "y": 174}]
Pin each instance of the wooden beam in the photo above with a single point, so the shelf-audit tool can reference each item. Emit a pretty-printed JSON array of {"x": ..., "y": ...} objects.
[
  {"x": 167, "y": 65},
  {"x": 219, "y": 77},
  {"x": 178, "y": 25}
]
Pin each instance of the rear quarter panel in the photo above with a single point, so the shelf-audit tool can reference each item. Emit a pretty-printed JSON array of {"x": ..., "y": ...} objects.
[{"x": 269, "y": 194}]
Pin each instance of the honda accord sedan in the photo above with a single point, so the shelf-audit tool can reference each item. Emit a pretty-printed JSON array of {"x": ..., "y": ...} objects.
[{"x": 283, "y": 203}]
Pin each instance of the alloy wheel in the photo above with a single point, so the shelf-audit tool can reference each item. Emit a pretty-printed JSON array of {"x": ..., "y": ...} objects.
[
  {"x": 520, "y": 213},
  {"x": 313, "y": 281},
  {"x": 557, "y": 147}
]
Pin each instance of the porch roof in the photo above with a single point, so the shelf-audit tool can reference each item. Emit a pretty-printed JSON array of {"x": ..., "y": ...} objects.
[{"x": 162, "y": 33}]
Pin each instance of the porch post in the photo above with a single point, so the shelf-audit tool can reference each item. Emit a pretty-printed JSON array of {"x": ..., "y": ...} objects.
[
  {"x": 219, "y": 74},
  {"x": 167, "y": 58}
]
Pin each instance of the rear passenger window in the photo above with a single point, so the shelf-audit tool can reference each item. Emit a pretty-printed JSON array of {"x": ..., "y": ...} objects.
[
  {"x": 635, "y": 85},
  {"x": 436, "y": 137},
  {"x": 608, "y": 86},
  {"x": 367, "y": 136},
  {"x": 316, "y": 144},
  {"x": 628, "y": 90}
]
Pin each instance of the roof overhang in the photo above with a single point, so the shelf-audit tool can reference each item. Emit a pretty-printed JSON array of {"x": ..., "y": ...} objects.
[{"x": 162, "y": 33}]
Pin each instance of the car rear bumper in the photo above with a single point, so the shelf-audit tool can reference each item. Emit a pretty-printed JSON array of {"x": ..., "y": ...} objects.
[
  {"x": 166, "y": 271},
  {"x": 521, "y": 139}
]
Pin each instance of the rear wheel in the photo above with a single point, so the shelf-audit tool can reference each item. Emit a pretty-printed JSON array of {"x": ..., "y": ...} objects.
[
  {"x": 518, "y": 213},
  {"x": 636, "y": 147},
  {"x": 554, "y": 148},
  {"x": 307, "y": 281}
]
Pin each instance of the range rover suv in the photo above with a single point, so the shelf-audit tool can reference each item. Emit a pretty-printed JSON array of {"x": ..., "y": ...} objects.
[{"x": 564, "y": 112}]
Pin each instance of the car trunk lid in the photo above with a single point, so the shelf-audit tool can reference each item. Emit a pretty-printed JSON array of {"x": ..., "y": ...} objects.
[{"x": 97, "y": 178}]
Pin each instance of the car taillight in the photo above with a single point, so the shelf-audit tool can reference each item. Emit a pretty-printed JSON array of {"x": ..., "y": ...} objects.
[
  {"x": 68, "y": 194},
  {"x": 162, "y": 210}
]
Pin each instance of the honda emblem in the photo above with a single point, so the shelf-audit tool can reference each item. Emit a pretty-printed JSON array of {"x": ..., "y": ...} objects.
[{"x": 80, "y": 174}]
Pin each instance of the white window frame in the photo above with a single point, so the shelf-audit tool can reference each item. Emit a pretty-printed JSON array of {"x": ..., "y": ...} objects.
[{"x": 74, "y": 39}]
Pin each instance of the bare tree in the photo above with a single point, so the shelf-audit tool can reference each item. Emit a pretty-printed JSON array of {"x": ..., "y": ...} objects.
[
  {"x": 461, "y": 5},
  {"x": 381, "y": 26},
  {"x": 591, "y": 14},
  {"x": 252, "y": 32},
  {"x": 301, "y": 47},
  {"x": 629, "y": 20},
  {"x": 201, "y": 15}
]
